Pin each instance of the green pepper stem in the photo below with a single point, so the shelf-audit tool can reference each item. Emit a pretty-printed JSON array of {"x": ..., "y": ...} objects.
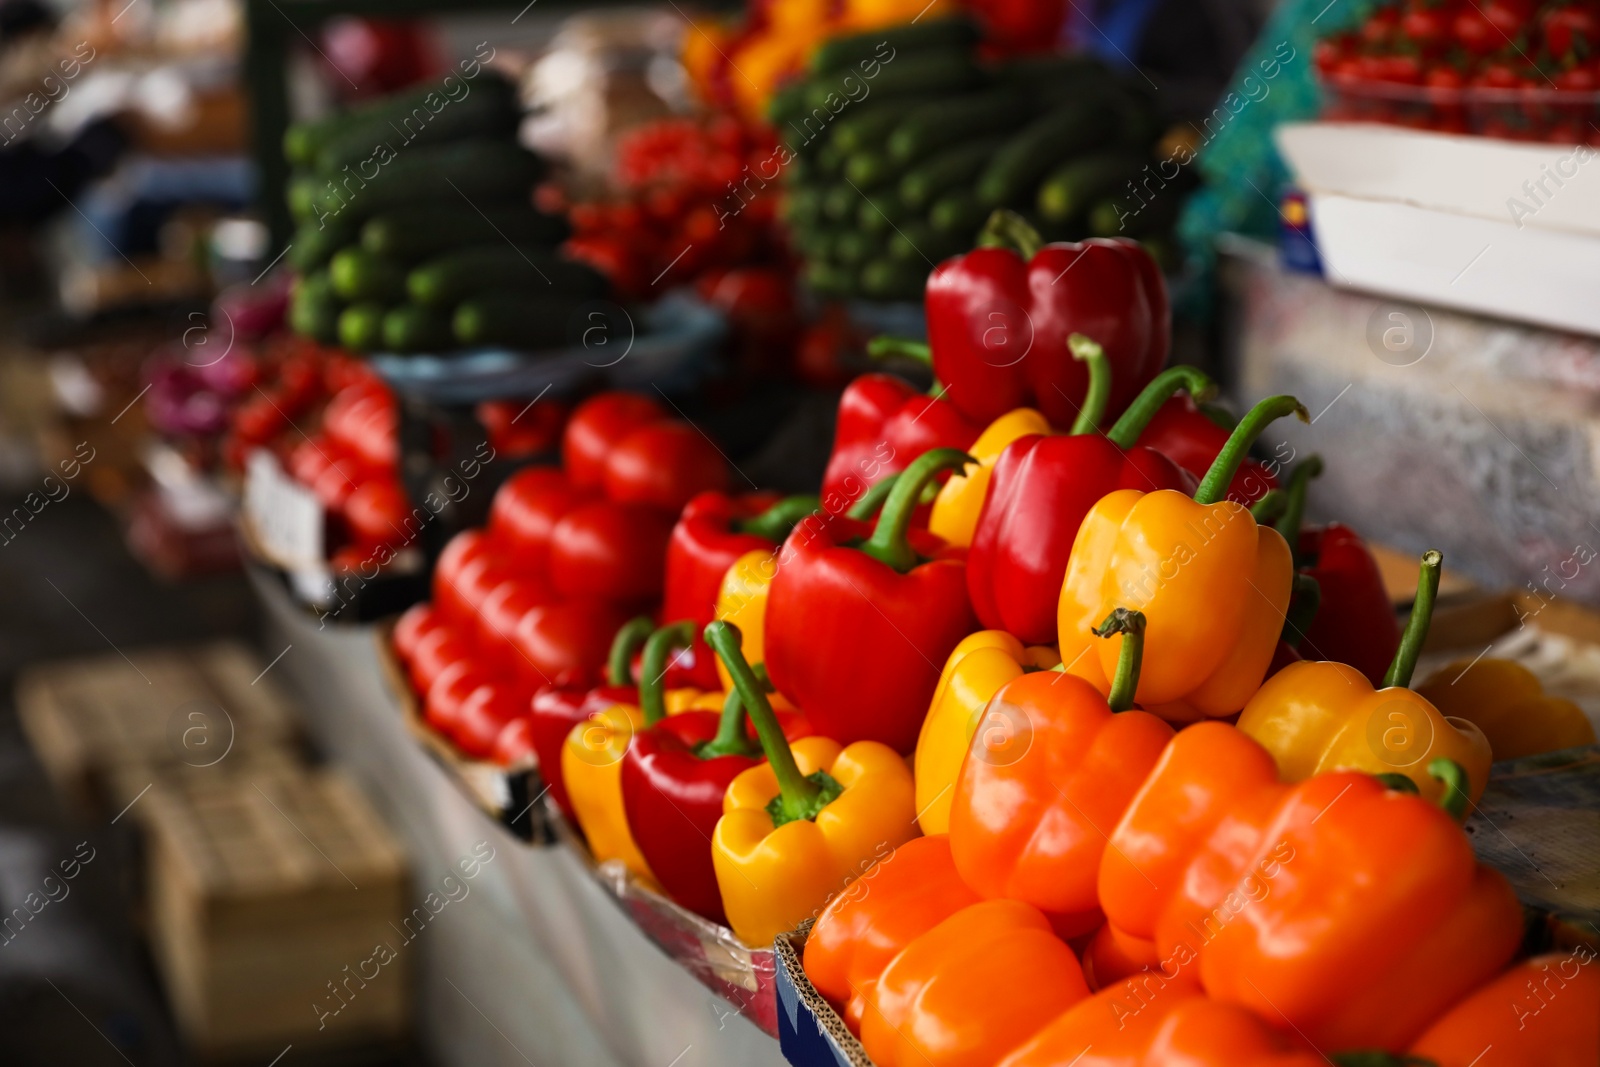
[
  {"x": 797, "y": 794},
  {"x": 1454, "y": 800},
  {"x": 775, "y": 523},
  {"x": 1416, "y": 632},
  {"x": 1007, "y": 229},
  {"x": 1214, "y": 486},
  {"x": 1270, "y": 507},
  {"x": 886, "y": 347},
  {"x": 1294, "y": 511},
  {"x": 1130, "y": 624},
  {"x": 1397, "y": 783},
  {"x": 653, "y": 668},
  {"x": 732, "y": 739},
  {"x": 1303, "y": 605},
  {"x": 888, "y": 542},
  {"x": 619, "y": 664},
  {"x": 866, "y": 507},
  {"x": 1378, "y": 1058},
  {"x": 1099, "y": 393},
  {"x": 1125, "y": 432}
]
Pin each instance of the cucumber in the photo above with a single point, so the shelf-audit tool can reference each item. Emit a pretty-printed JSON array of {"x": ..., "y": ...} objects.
[
  {"x": 1073, "y": 188},
  {"x": 868, "y": 170},
  {"x": 931, "y": 127},
  {"x": 1013, "y": 175},
  {"x": 361, "y": 326},
  {"x": 409, "y": 328},
  {"x": 886, "y": 44},
  {"x": 446, "y": 281},
  {"x": 464, "y": 173},
  {"x": 957, "y": 214},
  {"x": 922, "y": 75},
  {"x": 839, "y": 203},
  {"x": 481, "y": 113},
  {"x": 802, "y": 207},
  {"x": 879, "y": 215},
  {"x": 537, "y": 322},
  {"x": 314, "y": 308},
  {"x": 887, "y": 279},
  {"x": 948, "y": 169},
  {"x": 913, "y": 243},
  {"x": 786, "y": 105},
  {"x": 412, "y": 234},
  {"x": 868, "y": 128},
  {"x": 853, "y": 248},
  {"x": 1123, "y": 215},
  {"x": 312, "y": 246},
  {"x": 358, "y": 275},
  {"x": 830, "y": 279},
  {"x": 303, "y": 142},
  {"x": 818, "y": 243},
  {"x": 830, "y": 160},
  {"x": 1053, "y": 75},
  {"x": 303, "y": 193}
]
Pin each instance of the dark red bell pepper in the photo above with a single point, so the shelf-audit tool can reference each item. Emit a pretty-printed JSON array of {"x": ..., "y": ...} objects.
[
  {"x": 676, "y": 772},
  {"x": 556, "y": 709},
  {"x": 857, "y": 626},
  {"x": 713, "y": 531},
  {"x": 1043, "y": 486},
  {"x": 884, "y": 423},
  {"x": 1191, "y": 436},
  {"x": 999, "y": 318},
  {"x": 1355, "y": 621}
]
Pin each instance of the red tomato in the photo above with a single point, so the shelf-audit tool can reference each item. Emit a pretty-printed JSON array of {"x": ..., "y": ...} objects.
[
  {"x": 1426, "y": 27},
  {"x": 310, "y": 458},
  {"x": 1568, "y": 27},
  {"x": 348, "y": 558},
  {"x": 462, "y": 549},
  {"x": 436, "y": 650},
  {"x": 614, "y": 551},
  {"x": 258, "y": 420},
  {"x": 484, "y": 715},
  {"x": 1381, "y": 26},
  {"x": 338, "y": 481},
  {"x": 377, "y": 512},
  {"x": 514, "y": 746},
  {"x": 417, "y": 622},
  {"x": 517, "y": 428},
  {"x": 299, "y": 382},
  {"x": 597, "y": 426},
  {"x": 1474, "y": 32},
  {"x": 363, "y": 418},
  {"x": 477, "y": 578},
  {"x": 664, "y": 465},
  {"x": 566, "y": 643},
  {"x": 442, "y": 706},
  {"x": 502, "y": 609},
  {"x": 526, "y": 508}
]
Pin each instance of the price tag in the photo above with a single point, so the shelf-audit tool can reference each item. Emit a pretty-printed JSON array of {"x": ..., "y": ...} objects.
[{"x": 285, "y": 517}]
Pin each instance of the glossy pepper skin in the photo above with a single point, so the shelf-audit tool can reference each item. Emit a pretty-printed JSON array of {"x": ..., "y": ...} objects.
[
  {"x": 1046, "y": 780},
  {"x": 1544, "y": 1011},
  {"x": 1192, "y": 436},
  {"x": 804, "y": 824},
  {"x": 854, "y": 634},
  {"x": 610, "y": 550},
  {"x": 742, "y": 601},
  {"x": 674, "y": 777},
  {"x": 903, "y": 896},
  {"x": 998, "y": 321},
  {"x": 1040, "y": 491},
  {"x": 971, "y": 989},
  {"x": 1315, "y": 716},
  {"x": 954, "y": 518},
  {"x": 1176, "y": 560},
  {"x": 974, "y": 672},
  {"x": 884, "y": 423},
  {"x": 1506, "y": 701}
]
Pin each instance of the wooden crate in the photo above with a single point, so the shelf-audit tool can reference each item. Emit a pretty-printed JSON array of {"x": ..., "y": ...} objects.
[
  {"x": 197, "y": 706},
  {"x": 269, "y": 890}
]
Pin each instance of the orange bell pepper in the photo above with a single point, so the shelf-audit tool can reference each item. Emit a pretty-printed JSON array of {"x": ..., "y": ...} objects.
[
  {"x": 1128, "y": 1026},
  {"x": 1544, "y": 1011},
  {"x": 902, "y": 897},
  {"x": 1505, "y": 700},
  {"x": 1316, "y": 717},
  {"x": 1042, "y": 789},
  {"x": 1213, "y": 585},
  {"x": 971, "y": 989}
]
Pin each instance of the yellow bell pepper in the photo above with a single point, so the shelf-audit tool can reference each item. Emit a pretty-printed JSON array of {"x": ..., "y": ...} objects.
[
  {"x": 975, "y": 671},
  {"x": 742, "y": 601},
  {"x": 955, "y": 510},
  {"x": 1212, "y": 585},
  {"x": 1505, "y": 700},
  {"x": 800, "y": 827},
  {"x": 1316, "y": 717}
]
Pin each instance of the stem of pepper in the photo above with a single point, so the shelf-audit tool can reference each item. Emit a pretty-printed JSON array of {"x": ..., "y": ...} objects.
[
  {"x": 799, "y": 797},
  {"x": 1007, "y": 229},
  {"x": 872, "y": 499},
  {"x": 1303, "y": 604},
  {"x": 1094, "y": 401},
  {"x": 1214, "y": 486},
  {"x": 653, "y": 667},
  {"x": 775, "y": 523},
  {"x": 886, "y": 347},
  {"x": 1270, "y": 508},
  {"x": 888, "y": 542},
  {"x": 1294, "y": 511},
  {"x": 1124, "y": 433},
  {"x": 1416, "y": 632},
  {"x": 619, "y": 664},
  {"x": 1454, "y": 800},
  {"x": 1130, "y": 624}
]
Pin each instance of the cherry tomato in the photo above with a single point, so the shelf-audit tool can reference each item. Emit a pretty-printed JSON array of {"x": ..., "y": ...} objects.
[
  {"x": 483, "y": 715},
  {"x": 377, "y": 513},
  {"x": 514, "y": 746},
  {"x": 437, "y": 649},
  {"x": 597, "y": 426},
  {"x": 1569, "y": 28},
  {"x": 454, "y": 684},
  {"x": 567, "y": 642},
  {"x": 526, "y": 508},
  {"x": 417, "y": 622},
  {"x": 610, "y": 550},
  {"x": 1474, "y": 32},
  {"x": 664, "y": 465}
]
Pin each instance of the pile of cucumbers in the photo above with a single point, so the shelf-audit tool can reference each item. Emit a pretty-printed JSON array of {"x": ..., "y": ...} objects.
[
  {"x": 416, "y": 227},
  {"x": 903, "y": 143}
]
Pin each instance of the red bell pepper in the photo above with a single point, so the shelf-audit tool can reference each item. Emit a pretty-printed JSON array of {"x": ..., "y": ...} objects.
[
  {"x": 1041, "y": 489},
  {"x": 856, "y": 628},
  {"x": 1191, "y": 436},
  {"x": 884, "y": 424},
  {"x": 998, "y": 321},
  {"x": 678, "y": 768},
  {"x": 713, "y": 531},
  {"x": 1355, "y": 621},
  {"x": 556, "y": 709},
  {"x": 609, "y": 550}
]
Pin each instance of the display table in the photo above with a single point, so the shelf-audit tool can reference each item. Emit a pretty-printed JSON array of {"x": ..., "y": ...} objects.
[{"x": 536, "y": 964}]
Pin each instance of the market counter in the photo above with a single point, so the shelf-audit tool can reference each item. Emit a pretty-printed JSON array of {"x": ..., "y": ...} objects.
[{"x": 536, "y": 964}]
